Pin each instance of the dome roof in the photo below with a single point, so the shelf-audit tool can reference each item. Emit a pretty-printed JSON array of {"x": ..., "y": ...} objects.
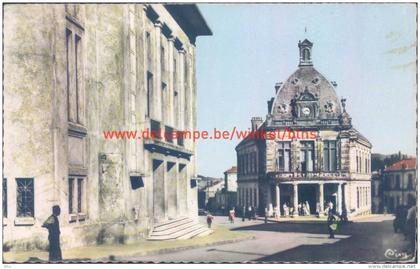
[{"x": 306, "y": 85}]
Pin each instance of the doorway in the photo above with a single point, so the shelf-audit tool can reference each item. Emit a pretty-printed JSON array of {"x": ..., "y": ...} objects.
[{"x": 307, "y": 192}]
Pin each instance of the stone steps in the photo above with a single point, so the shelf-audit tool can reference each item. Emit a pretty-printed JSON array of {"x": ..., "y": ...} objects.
[
  {"x": 183, "y": 228},
  {"x": 171, "y": 225}
]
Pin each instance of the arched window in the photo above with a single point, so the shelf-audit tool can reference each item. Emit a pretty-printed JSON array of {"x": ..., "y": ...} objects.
[{"x": 306, "y": 55}]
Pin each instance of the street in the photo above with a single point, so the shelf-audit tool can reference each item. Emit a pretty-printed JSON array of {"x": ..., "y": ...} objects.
[{"x": 364, "y": 240}]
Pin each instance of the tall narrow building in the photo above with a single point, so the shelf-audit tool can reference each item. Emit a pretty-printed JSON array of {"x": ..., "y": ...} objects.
[
  {"x": 73, "y": 72},
  {"x": 310, "y": 151}
]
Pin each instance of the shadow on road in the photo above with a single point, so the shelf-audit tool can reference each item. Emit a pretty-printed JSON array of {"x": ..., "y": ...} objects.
[{"x": 367, "y": 242}]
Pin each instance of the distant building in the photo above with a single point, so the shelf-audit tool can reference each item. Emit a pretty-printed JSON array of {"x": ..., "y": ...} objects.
[
  {"x": 377, "y": 192},
  {"x": 317, "y": 157},
  {"x": 231, "y": 177},
  {"x": 207, "y": 189},
  {"x": 226, "y": 198},
  {"x": 399, "y": 184}
]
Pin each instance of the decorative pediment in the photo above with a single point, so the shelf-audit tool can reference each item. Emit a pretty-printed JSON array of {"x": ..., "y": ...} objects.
[{"x": 306, "y": 95}]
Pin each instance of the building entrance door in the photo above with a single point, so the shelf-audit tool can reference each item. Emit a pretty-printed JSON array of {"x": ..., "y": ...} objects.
[{"x": 308, "y": 192}]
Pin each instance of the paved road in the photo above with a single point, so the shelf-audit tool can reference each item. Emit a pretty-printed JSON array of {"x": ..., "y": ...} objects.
[{"x": 362, "y": 241}]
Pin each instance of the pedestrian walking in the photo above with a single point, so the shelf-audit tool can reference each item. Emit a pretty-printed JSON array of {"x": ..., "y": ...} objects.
[
  {"x": 332, "y": 224},
  {"x": 53, "y": 226},
  {"x": 249, "y": 213},
  {"x": 232, "y": 215},
  {"x": 243, "y": 213},
  {"x": 209, "y": 220}
]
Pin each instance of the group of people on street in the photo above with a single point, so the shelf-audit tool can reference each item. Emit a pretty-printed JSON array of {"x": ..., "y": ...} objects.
[
  {"x": 250, "y": 213},
  {"x": 304, "y": 209}
]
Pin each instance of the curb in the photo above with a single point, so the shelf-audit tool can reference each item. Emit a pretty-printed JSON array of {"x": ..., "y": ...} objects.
[{"x": 176, "y": 249}]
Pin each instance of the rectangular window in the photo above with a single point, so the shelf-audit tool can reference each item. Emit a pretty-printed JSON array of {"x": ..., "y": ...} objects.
[
  {"x": 25, "y": 197},
  {"x": 68, "y": 47},
  {"x": 330, "y": 156},
  {"x": 307, "y": 156},
  {"x": 358, "y": 198},
  {"x": 148, "y": 51},
  {"x": 410, "y": 183},
  {"x": 169, "y": 134},
  {"x": 357, "y": 164},
  {"x": 149, "y": 93},
  {"x": 71, "y": 195},
  {"x": 76, "y": 195},
  {"x": 155, "y": 131},
  {"x": 80, "y": 195},
  {"x": 186, "y": 71},
  {"x": 162, "y": 62},
  {"x": 74, "y": 73},
  {"x": 366, "y": 166},
  {"x": 283, "y": 156},
  {"x": 77, "y": 73},
  {"x": 4, "y": 197}
]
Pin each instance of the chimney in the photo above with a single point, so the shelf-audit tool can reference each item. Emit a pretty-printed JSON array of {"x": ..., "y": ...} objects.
[{"x": 256, "y": 122}]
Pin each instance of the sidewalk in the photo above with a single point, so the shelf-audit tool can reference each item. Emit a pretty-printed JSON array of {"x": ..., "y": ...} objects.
[{"x": 103, "y": 253}]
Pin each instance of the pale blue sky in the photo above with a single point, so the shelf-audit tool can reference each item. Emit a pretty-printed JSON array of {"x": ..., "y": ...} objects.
[{"x": 369, "y": 49}]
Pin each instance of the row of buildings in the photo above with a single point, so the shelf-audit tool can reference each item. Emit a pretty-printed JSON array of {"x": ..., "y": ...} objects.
[
  {"x": 394, "y": 185},
  {"x": 218, "y": 195},
  {"x": 73, "y": 71}
]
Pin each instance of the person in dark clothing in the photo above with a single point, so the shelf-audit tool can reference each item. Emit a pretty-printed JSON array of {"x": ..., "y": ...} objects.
[
  {"x": 343, "y": 216},
  {"x": 249, "y": 213},
  {"x": 243, "y": 213},
  {"x": 209, "y": 220},
  {"x": 53, "y": 226},
  {"x": 332, "y": 224}
]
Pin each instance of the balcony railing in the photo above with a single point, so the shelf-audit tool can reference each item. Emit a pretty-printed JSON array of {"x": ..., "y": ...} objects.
[{"x": 309, "y": 175}]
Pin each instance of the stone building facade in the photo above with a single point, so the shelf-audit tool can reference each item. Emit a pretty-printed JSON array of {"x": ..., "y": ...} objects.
[
  {"x": 226, "y": 198},
  {"x": 377, "y": 192},
  {"x": 399, "y": 184},
  {"x": 305, "y": 150},
  {"x": 231, "y": 178},
  {"x": 73, "y": 71}
]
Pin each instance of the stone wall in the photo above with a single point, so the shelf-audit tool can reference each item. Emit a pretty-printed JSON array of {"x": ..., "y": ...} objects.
[{"x": 112, "y": 65}]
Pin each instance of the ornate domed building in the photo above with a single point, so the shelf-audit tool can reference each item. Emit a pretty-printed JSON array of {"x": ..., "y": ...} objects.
[{"x": 313, "y": 155}]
